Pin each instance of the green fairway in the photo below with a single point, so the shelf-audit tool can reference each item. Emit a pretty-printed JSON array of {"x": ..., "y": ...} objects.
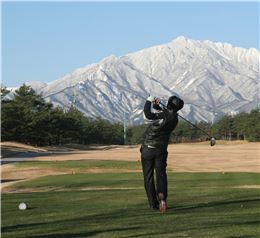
[{"x": 200, "y": 205}]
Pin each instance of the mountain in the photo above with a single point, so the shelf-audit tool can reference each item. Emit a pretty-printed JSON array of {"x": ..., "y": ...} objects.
[{"x": 212, "y": 78}]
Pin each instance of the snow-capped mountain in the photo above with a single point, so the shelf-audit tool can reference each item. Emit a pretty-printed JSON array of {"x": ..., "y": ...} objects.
[{"x": 212, "y": 78}]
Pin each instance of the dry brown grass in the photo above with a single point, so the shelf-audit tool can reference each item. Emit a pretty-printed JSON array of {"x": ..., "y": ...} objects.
[
  {"x": 194, "y": 157},
  {"x": 197, "y": 157}
]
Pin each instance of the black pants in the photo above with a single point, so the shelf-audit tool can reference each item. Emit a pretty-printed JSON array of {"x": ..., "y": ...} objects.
[{"x": 154, "y": 159}]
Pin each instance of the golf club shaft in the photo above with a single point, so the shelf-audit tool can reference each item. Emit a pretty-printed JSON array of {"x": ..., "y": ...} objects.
[
  {"x": 194, "y": 125},
  {"x": 189, "y": 122}
]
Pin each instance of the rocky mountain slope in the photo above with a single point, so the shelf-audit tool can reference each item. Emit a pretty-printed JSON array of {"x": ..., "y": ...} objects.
[{"x": 212, "y": 78}]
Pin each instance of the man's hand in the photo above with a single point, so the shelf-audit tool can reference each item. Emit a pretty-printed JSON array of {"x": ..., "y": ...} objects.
[
  {"x": 157, "y": 101},
  {"x": 153, "y": 100}
]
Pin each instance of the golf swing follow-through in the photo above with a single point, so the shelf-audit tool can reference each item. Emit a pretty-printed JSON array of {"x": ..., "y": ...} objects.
[
  {"x": 162, "y": 121},
  {"x": 212, "y": 139}
]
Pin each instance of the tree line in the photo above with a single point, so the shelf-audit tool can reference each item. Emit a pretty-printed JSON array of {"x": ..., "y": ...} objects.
[
  {"x": 242, "y": 126},
  {"x": 28, "y": 118}
]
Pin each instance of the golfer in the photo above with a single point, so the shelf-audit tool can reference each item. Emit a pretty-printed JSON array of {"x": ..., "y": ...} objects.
[{"x": 154, "y": 148}]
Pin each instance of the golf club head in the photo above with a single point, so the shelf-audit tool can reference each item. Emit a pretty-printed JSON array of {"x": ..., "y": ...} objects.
[{"x": 212, "y": 141}]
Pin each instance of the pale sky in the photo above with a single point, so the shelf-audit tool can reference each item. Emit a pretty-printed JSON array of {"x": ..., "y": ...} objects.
[{"x": 42, "y": 41}]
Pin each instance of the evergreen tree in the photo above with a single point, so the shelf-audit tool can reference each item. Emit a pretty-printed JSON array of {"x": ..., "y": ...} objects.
[
  {"x": 240, "y": 125},
  {"x": 29, "y": 119},
  {"x": 23, "y": 118},
  {"x": 136, "y": 133},
  {"x": 4, "y": 92},
  {"x": 224, "y": 128},
  {"x": 253, "y": 125}
]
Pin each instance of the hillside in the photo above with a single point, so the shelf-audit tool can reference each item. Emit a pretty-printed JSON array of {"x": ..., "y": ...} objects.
[{"x": 212, "y": 78}]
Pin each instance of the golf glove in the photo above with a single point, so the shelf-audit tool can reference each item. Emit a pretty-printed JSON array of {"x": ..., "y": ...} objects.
[{"x": 151, "y": 98}]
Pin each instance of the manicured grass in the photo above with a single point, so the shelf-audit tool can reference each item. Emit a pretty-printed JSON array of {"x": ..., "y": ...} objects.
[
  {"x": 82, "y": 164},
  {"x": 201, "y": 205}
]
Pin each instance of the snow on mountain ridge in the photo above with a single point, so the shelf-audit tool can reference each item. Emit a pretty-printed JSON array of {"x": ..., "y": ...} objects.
[
  {"x": 212, "y": 78},
  {"x": 200, "y": 61}
]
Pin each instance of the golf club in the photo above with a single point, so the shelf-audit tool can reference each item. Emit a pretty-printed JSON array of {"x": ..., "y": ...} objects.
[{"x": 212, "y": 139}]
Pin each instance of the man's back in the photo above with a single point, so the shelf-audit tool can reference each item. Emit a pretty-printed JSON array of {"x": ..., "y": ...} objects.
[{"x": 158, "y": 131}]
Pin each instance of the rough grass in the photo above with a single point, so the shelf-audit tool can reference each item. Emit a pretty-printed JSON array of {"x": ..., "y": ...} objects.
[{"x": 201, "y": 205}]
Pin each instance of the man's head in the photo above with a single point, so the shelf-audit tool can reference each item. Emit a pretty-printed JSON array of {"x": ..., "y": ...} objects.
[{"x": 175, "y": 103}]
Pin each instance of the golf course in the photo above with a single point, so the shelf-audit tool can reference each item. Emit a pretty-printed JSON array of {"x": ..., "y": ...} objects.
[{"x": 98, "y": 191}]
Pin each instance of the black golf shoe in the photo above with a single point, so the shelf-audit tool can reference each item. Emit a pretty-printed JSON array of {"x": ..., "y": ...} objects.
[{"x": 155, "y": 207}]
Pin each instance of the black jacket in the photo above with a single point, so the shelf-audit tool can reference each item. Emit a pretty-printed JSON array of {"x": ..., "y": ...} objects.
[{"x": 161, "y": 125}]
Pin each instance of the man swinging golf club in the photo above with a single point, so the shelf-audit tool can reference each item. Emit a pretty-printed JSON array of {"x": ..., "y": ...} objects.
[{"x": 154, "y": 148}]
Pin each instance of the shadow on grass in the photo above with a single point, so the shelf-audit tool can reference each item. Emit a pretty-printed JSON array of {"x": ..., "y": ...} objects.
[
  {"x": 85, "y": 221},
  {"x": 67, "y": 234},
  {"x": 178, "y": 236},
  {"x": 181, "y": 231},
  {"x": 86, "y": 225},
  {"x": 83, "y": 234},
  {"x": 9, "y": 180},
  {"x": 23, "y": 156},
  {"x": 213, "y": 204},
  {"x": 244, "y": 236}
]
